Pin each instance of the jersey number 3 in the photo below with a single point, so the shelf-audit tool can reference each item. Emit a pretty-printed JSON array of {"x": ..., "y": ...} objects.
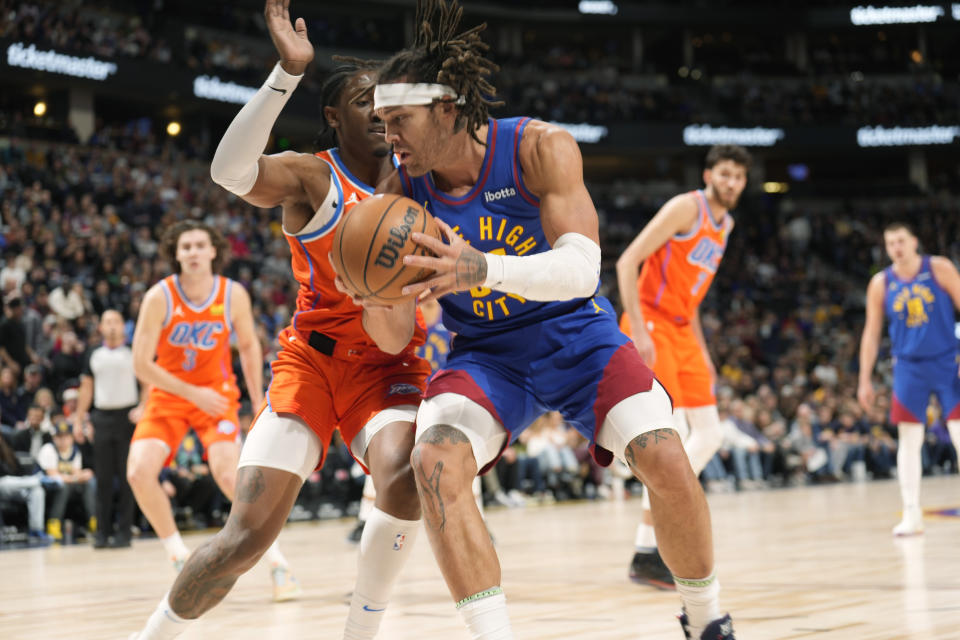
[{"x": 189, "y": 359}]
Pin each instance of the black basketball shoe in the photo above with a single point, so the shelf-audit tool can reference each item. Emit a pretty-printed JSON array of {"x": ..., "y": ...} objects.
[
  {"x": 719, "y": 629},
  {"x": 649, "y": 568}
]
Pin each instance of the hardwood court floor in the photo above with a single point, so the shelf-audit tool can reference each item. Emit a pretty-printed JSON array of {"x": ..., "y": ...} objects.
[{"x": 815, "y": 563}]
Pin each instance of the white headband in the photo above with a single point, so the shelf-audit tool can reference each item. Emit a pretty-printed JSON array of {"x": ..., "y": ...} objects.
[{"x": 405, "y": 94}]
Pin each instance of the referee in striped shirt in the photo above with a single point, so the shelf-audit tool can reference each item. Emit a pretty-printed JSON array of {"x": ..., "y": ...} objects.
[{"x": 109, "y": 385}]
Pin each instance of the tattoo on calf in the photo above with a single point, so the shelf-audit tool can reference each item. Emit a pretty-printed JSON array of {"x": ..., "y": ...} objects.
[
  {"x": 471, "y": 269},
  {"x": 203, "y": 582},
  {"x": 250, "y": 485}
]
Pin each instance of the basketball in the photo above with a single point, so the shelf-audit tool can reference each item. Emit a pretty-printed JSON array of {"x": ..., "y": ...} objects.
[{"x": 371, "y": 241}]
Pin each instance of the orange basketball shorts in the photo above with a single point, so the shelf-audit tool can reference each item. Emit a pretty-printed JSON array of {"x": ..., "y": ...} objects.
[
  {"x": 329, "y": 393},
  {"x": 679, "y": 366},
  {"x": 168, "y": 417}
]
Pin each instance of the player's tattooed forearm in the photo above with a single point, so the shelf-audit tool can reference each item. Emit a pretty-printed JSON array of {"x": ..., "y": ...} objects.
[
  {"x": 250, "y": 484},
  {"x": 428, "y": 486},
  {"x": 443, "y": 434},
  {"x": 471, "y": 269}
]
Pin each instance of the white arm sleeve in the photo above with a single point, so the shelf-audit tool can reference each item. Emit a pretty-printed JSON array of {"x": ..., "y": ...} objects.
[
  {"x": 570, "y": 270},
  {"x": 235, "y": 164}
]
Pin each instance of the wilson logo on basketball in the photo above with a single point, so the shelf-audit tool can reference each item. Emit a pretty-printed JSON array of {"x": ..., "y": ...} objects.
[
  {"x": 506, "y": 192},
  {"x": 390, "y": 250}
]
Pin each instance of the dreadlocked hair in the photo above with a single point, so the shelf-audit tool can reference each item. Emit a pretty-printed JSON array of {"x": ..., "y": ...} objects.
[
  {"x": 332, "y": 89},
  {"x": 440, "y": 55}
]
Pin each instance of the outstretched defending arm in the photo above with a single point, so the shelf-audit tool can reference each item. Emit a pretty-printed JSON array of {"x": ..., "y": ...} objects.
[{"x": 238, "y": 164}]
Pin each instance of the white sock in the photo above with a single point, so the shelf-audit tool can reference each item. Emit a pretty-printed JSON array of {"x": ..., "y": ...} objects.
[
  {"x": 274, "y": 556},
  {"x": 384, "y": 549},
  {"x": 701, "y": 601},
  {"x": 486, "y": 616},
  {"x": 478, "y": 494},
  {"x": 367, "y": 500},
  {"x": 163, "y": 624},
  {"x": 909, "y": 464},
  {"x": 175, "y": 547},
  {"x": 646, "y": 540},
  {"x": 705, "y": 436}
]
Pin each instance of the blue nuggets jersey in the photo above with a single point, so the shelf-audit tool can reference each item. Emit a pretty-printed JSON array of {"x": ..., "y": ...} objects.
[
  {"x": 499, "y": 215},
  {"x": 436, "y": 347},
  {"x": 920, "y": 314}
]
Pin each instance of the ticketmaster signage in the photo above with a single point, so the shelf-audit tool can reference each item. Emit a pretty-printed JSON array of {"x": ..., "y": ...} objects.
[
  {"x": 705, "y": 135},
  {"x": 903, "y": 136},
  {"x": 584, "y": 132},
  {"x": 604, "y": 7},
  {"x": 216, "y": 89},
  {"x": 895, "y": 15},
  {"x": 29, "y": 58}
]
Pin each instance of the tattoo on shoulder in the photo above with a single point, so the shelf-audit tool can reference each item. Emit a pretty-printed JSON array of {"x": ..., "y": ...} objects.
[
  {"x": 471, "y": 269},
  {"x": 250, "y": 485}
]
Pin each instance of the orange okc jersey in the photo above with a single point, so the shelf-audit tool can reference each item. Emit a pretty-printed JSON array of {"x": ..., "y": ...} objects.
[
  {"x": 320, "y": 307},
  {"x": 195, "y": 340},
  {"x": 676, "y": 277}
]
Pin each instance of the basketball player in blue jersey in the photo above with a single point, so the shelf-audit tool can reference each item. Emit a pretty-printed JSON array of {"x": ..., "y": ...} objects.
[
  {"x": 517, "y": 283},
  {"x": 918, "y": 295}
]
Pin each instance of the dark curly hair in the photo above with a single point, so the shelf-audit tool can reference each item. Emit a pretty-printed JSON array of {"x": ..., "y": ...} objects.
[
  {"x": 441, "y": 55},
  {"x": 332, "y": 89},
  {"x": 168, "y": 243},
  {"x": 733, "y": 152}
]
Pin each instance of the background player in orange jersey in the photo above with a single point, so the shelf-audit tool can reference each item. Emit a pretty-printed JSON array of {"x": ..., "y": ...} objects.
[
  {"x": 340, "y": 366},
  {"x": 680, "y": 249},
  {"x": 181, "y": 349}
]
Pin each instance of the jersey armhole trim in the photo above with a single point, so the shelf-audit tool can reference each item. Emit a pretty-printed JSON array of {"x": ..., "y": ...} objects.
[
  {"x": 168, "y": 298},
  {"x": 226, "y": 304},
  {"x": 697, "y": 225}
]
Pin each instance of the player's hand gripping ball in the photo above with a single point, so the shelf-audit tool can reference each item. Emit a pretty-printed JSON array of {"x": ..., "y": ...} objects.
[{"x": 371, "y": 241}]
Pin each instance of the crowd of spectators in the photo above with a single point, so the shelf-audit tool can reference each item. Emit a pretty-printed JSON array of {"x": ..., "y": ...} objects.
[{"x": 589, "y": 76}]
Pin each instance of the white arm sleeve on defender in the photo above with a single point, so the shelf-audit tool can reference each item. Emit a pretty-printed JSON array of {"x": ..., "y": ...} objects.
[
  {"x": 235, "y": 164},
  {"x": 570, "y": 270}
]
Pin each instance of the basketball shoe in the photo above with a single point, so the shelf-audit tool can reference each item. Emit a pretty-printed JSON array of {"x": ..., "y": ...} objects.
[
  {"x": 649, "y": 568},
  {"x": 357, "y": 532},
  {"x": 178, "y": 563},
  {"x": 285, "y": 585},
  {"x": 719, "y": 629}
]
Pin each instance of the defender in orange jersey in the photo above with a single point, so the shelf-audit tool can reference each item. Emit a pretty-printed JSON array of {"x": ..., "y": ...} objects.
[
  {"x": 340, "y": 365},
  {"x": 680, "y": 249},
  {"x": 181, "y": 349}
]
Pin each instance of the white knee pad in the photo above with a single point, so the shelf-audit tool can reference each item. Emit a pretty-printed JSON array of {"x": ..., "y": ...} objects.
[
  {"x": 487, "y": 436},
  {"x": 640, "y": 413},
  {"x": 399, "y": 413},
  {"x": 705, "y": 436},
  {"x": 281, "y": 442}
]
